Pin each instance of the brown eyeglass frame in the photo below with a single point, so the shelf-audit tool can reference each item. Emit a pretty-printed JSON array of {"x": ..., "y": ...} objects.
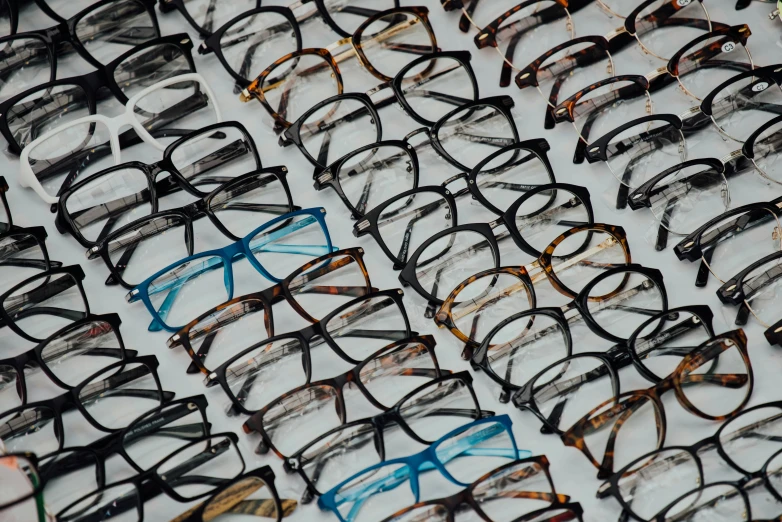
[
  {"x": 467, "y": 498},
  {"x": 267, "y": 298},
  {"x": 254, "y": 90},
  {"x": 625, "y": 404}
]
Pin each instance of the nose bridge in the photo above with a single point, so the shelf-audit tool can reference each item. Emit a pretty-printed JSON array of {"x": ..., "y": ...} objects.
[
  {"x": 195, "y": 209},
  {"x": 420, "y": 130}
]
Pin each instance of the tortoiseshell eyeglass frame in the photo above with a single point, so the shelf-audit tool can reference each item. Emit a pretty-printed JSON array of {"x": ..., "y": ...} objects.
[
  {"x": 733, "y": 292},
  {"x": 636, "y": 87},
  {"x": 232, "y": 500},
  {"x": 614, "y": 485},
  {"x": 255, "y": 89},
  {"x": 378, "y": 424},
  {"x": 453, "y": 504},
  {"x": 256, "y": 424},
  {"x": 409, "y": 276},
  {"x": 305, "y": 338},
  {"x": 619, "y": 356},
  {"x": 617, "y": 411},
  {"x": 663, "y": 16},
  {"x": 266, "y": 299}
]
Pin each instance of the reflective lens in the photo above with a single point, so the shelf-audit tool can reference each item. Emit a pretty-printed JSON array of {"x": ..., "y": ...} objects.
[
  {"x": 525, "y": 346},
  {"x": 24, "y": 63},
  {"x": 622, "y": 302},
  {"x": 715, "y": 502},
  {"x": 251, "y": 376},
  {"x": 657, "y": 480},
  {"x": 120, "y": 502},
  {"x": 21, "y": 256},
  {"x": 20, "y": 479},
  {"x": 762, "y": 289},
  {"x": 294, "y": 86},
  {"x": 370, "y": 177},
  {"x": 349, "y": 15},
  {"x": 450, "y": 404},
  {"x": 112, "y": 29},
  {"x": 69, "y": 474},
  {"x": 148, "y": 247},
  {"x": 30, "y": 429},
  {"x": 209, "y": 158},
  {"x": 644, "y": 150},
  {"x": 301, "y": 235},
  {"x": 478, "y": 306},
  {"x": 510, "y": 175},
  {"x": 43, "y": 110},
  {"x": 132, "y": 390},
  {"x": 751, "y": 438},
  {"x": 663, "y": 342},
  {"x": 162, "y": 431},
  {"x": 80, "y": 351},
  {"x": 548, "y": 214},
  {"x": 337, "y": 128},
  {"x": 150, "y": 65},
  {"x": 580, "y": 257},
  {"x": 475, "y": 132},
  {"x": 210, "y": 17},
  {"x": 241, "y": 206},
  {"x": 392, "y": 374},
  {"x": 740, "y": 108},
  {"x": 354, "y": 497},
  {"x": 393, "y": 40},
  {"x": 566, "y": 391},
  {"x": 662, "y": 40},
  {"x": 717, "y": 381},
  {"x": 503, "y": 495},
  {"x": 68, "y": 150},
  {"x": 46, "y": 304},
  {"x": 688, "y": 197},
  {"x": 406, "y": 222},
  {"x": 570, "y": 69},
  {"x": 104, "y": 204},
  {"x": 367, "y": 325},
  {"x": 185, "y": 104},
  {"x": 201, "y": 467},
  {"x": 451, "y": 259},
  {"x": 253, "y": 41},
  {"x": 766, "y": 149},
  {"x": 711, "y": 62},
  {"x": 460, "y": 452},
  {"x": 437, "y": 86}
]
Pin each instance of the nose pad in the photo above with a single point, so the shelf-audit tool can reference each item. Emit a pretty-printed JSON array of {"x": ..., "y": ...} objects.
[
  {"x": 262, "y": 448},
  {"x": 307, "y": 496},
  {"x": 339, "y": 407}
]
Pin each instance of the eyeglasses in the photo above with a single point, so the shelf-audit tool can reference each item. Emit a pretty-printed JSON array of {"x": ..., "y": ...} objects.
[
  {"x": 513, "y": 346},
  {"x": 382, "y": 44},
  {"x": 383, "y": 379},
  {"x": 403, "y": 222},
  {"x": 754, "y": 290},
  {"x": 587, "y": 58},
  {"x": 746, "y": 444},
  {"x": 425, "y": 415},
  {"x": 24, "y": 254},
  {"x": 311, "y": 290},
  {"x": 253, "y": 493},
  {"x": 108, "y": 400},
  {"x": 44, "y": 303},
  {"x": 724, "y": 499},
  {"x": 739, "y": 106},
  {"x": 48, "y": 162},
  {"x": 728, "y": 243},
  {"x": 267, "y": 248},
  {"x": 610, "y": 98},
  {"x": 526, "y": 481},
  {"x": 713, "y": 381},
  {"x": 99, "y": 34},
  {"x": 165, "y": 237},
  {"x": 190, "y": 473},
  {"x": 682, "y": 197},
  {"x": 65, "y": 475},
  {"x": 460, "y": 456},
  {"x": 38, "y": 110},
  {"x": 448, "y": 258},
  {"x": 66, "y": 357},
  {"x": 198, "y": 163},
  {"x": 353, "y": 332}
]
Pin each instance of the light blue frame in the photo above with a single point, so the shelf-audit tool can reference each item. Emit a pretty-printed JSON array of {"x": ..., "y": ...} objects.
[
  {"x": 229, "y": 255},
  {"x": 424, "y": 461}
]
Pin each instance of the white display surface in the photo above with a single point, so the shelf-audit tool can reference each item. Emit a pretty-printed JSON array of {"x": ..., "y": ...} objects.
[{"x": 573, "y": 475}]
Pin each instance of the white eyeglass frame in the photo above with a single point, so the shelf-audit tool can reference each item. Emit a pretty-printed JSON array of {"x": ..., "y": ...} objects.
[{"x": 27, "y": 177}]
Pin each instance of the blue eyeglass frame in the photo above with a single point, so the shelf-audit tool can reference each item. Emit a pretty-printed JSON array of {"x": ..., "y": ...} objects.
[
  {"x": 230, "y": 254},
  {"x": 424, "y": 461}
]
